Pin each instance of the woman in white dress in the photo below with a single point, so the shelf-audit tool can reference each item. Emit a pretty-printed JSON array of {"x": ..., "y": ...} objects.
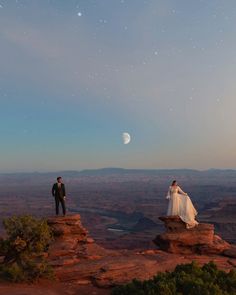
[{"x": 180, "y": 204}]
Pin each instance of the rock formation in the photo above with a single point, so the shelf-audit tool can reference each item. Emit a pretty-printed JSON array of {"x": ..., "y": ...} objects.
[
  {"x": 77, "y": 259},
  {"x": 71, "y": 242},
  {"x": 198, "y": 240}
]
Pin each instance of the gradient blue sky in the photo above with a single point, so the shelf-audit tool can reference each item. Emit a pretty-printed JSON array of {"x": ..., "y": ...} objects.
[{"x": 74, "y": 75}]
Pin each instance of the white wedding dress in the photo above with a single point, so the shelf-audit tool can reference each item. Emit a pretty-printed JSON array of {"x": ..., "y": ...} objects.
[{"x": 180, "y": 204}]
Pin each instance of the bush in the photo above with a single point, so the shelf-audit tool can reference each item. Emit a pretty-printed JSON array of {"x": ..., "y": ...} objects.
[
  {"x": 186, "y": 279},
  {"x": 23, "y": 249}
]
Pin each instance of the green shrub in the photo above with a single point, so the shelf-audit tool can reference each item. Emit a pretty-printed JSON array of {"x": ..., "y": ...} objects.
[
  {"x": 23, "y": 249},
  {"x": 186, "y": 279}
]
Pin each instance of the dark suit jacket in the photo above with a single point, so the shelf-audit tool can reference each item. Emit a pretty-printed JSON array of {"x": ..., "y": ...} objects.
[{"x": 56, "y": 191}]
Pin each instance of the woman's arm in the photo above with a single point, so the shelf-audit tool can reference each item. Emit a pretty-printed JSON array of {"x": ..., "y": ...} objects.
[
  {"x": 181, "y": 192},
  {"x": 168, "y": 194}
]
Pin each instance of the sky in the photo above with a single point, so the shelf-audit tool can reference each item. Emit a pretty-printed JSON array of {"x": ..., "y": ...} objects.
[{"x": 75, "y": 75}]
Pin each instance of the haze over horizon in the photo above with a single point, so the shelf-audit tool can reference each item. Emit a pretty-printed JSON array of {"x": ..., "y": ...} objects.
[
  {"x": 110, "y": 170},
  {"x": 75, "y": 75}
]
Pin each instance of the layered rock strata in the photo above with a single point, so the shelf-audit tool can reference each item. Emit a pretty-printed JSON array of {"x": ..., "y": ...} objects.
[{"x": 198, "y": 240}]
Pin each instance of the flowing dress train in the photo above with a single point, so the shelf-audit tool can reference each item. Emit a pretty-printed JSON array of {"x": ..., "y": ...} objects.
[{"x": 180, "y": 204}]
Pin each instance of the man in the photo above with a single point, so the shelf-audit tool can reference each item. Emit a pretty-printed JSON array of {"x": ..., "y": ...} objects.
[{"x": 59, "y": 192}]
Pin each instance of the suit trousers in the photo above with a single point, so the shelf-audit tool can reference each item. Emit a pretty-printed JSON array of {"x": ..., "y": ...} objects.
[{"x": 63, "y": 205}]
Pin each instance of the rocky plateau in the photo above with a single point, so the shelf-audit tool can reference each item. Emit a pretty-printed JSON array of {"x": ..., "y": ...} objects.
[{"x": 78, "y": 259}]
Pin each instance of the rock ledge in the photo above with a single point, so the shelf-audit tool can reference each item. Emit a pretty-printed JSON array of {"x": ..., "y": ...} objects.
[
  {"x": 77, "y": 259},
  {"x": 198, "y": 240}
]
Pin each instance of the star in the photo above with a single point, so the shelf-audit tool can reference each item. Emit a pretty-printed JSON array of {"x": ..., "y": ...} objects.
[{"x": 79, "y": 13}]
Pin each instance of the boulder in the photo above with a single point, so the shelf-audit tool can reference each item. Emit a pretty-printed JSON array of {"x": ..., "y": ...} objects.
[{"x": 180, "y": 240}]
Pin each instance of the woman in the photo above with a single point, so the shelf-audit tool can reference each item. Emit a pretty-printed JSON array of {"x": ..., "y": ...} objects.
[{"x": 180, "y": 204}]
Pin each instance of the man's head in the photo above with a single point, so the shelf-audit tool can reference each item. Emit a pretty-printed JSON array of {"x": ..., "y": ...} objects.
[{"x": 59, "y": 179}]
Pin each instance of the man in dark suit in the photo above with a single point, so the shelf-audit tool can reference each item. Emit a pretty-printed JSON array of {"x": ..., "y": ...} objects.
[{"x": 59, "y": 193}]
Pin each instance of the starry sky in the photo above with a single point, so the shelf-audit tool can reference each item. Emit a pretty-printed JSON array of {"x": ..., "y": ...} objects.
[{"x": 75, "y": 75}]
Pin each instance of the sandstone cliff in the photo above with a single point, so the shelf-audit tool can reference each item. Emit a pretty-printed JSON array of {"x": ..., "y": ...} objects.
[{"x": 78, "y": 259}]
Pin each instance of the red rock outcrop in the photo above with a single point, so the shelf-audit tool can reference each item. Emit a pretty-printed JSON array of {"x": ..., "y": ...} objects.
[
  {"x": 77, "y": 259},
  {"x": 71, "y": 242},
  {"x": 180, "y": 240}
]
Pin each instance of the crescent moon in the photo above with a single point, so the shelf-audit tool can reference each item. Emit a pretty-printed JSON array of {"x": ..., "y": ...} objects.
[{"x": 126, "y": 138}]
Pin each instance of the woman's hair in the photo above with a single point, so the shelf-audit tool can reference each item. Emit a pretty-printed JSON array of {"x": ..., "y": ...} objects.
[{"x": 173, "y": 182}]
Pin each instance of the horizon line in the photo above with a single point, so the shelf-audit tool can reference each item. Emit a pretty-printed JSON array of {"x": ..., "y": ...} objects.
[{"x": 117, "y": 168}]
